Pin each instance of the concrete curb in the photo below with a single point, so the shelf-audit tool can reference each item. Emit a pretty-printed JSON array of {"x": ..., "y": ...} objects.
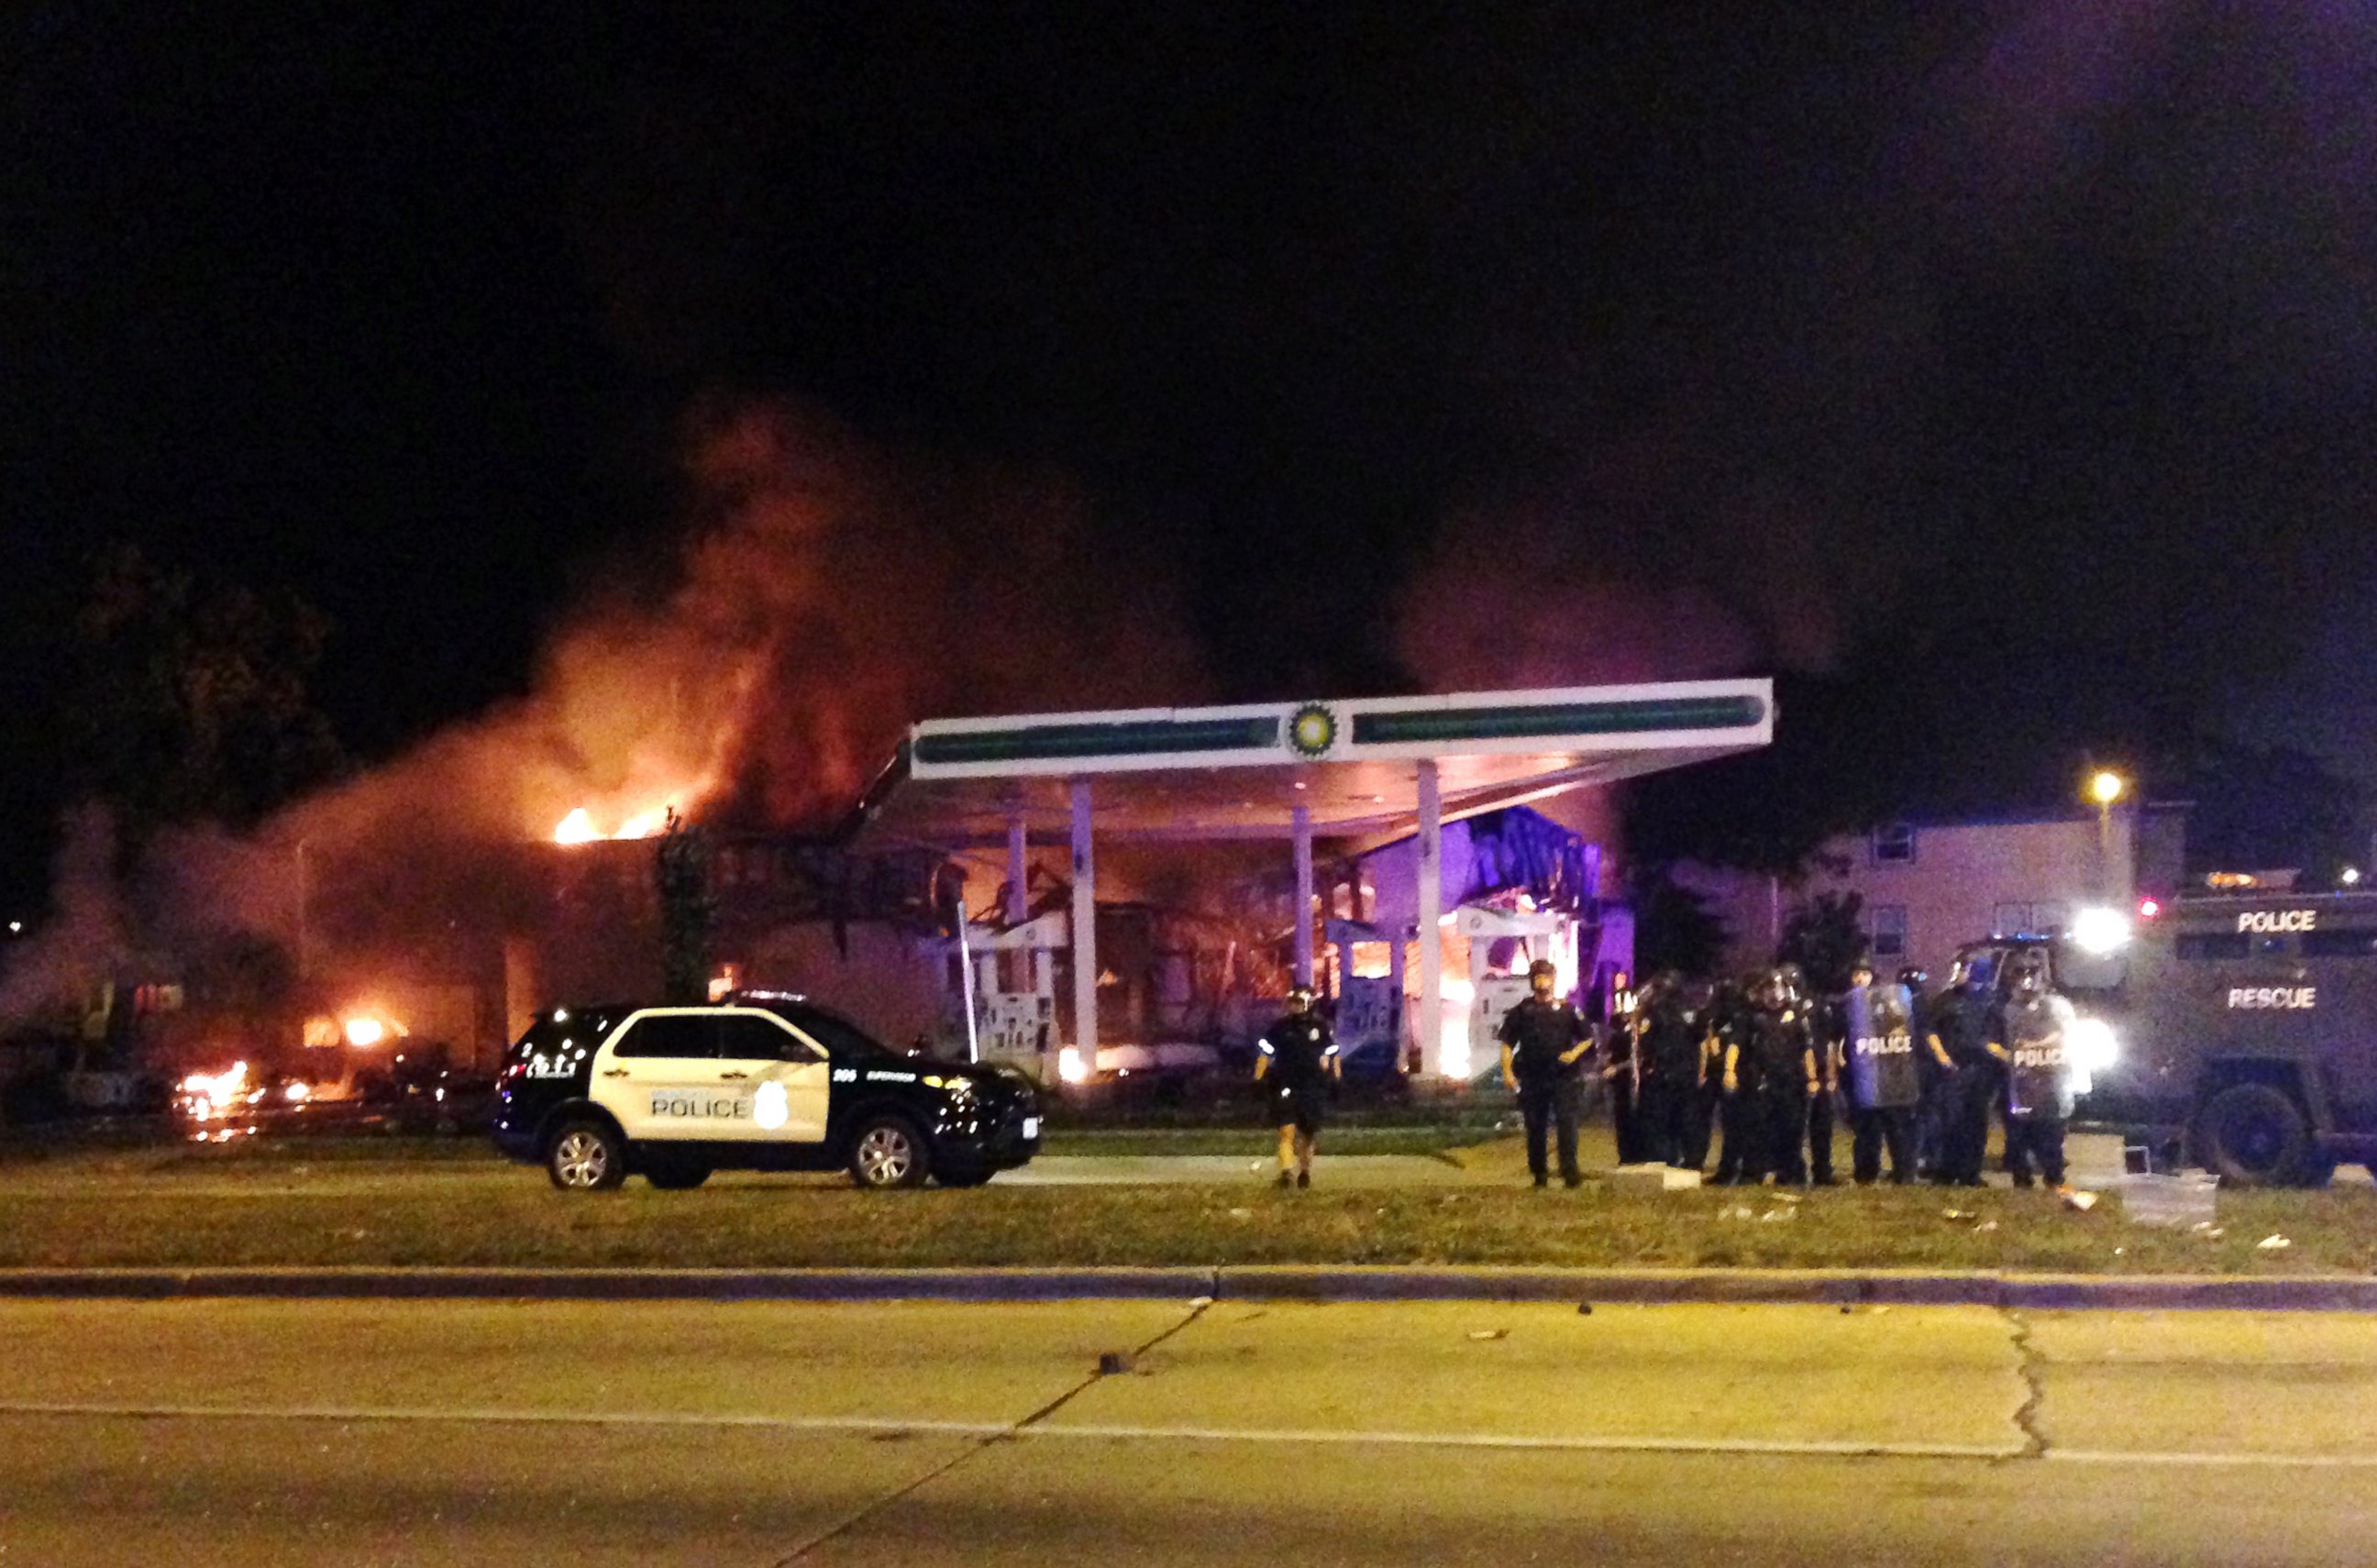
[
  {"x": 2326, "y": 1293},
  {"x": 618, "y": 1285}
]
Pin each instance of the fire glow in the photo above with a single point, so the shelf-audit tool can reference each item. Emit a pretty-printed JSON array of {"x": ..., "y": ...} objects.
[{"x": 578, "y": 827}]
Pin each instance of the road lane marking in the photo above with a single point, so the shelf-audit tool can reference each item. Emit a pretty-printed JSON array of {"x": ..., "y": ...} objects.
[{"x": 1116, "y": 1432}]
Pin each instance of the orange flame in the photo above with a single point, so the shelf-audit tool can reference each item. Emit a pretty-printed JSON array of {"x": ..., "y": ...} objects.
[{"x": 579, "y": 827}]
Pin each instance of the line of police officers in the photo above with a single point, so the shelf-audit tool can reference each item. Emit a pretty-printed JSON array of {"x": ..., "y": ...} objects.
[{"x": 1916, "y": 1075}]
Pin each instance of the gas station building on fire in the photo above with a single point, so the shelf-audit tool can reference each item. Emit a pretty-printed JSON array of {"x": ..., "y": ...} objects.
[{"x": 1367, "y": 777}]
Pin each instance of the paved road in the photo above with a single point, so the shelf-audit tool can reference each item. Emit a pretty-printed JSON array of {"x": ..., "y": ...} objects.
[{"x": 270, "y": 1433}]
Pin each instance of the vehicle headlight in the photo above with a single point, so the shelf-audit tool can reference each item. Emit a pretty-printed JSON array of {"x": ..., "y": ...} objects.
[
  {"x": 2095, "y": 1047},
  {"x": 2100, "y": 932}
]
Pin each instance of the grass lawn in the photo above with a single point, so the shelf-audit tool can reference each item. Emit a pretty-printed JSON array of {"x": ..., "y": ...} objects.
[
  {"x": 393, "y": 1202},
  {"x": 1257, "y": 1140}
]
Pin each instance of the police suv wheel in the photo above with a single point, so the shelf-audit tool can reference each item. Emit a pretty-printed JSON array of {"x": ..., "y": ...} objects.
[
  {"x": 889, "y": 1151},
  {"x": 2253, "y": 1135},
  {"x": 678, "y": 1176},
  {"x": 586, "y": 1156}
]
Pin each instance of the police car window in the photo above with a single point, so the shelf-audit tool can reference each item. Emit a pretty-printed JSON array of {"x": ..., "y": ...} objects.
[
  {"x": 762, "y": 1040},
  {"x": 838, "y": 1035},
  {"x": 2333, "y": 943},
  {"x": 2203, "y": 945},
  {"x": 669, "y": 1035}
]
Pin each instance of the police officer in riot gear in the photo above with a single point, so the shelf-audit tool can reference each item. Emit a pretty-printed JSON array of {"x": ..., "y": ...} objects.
[
  {"x": 1543, "y": 1040},
  {"x": 1960, "y": 1033},
  {"x": 1922, "y": 1134},
  {"x": 1667, "y": 1043},
  {"x": 1817, "y": 1127},
  {"x": 2036, "y": 1037},
  {"x": 1771, "y": 1074},
  {"x": 1733, "y": 1081},
  {"x": 1621, "y": 1073},
  {"x": 1298, "y": 1055},
  {"x": 1878, "y": 1077}
]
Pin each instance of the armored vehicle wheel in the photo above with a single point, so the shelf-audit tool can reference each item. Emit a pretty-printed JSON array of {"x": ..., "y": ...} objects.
[{"x": 2253, "y": 1135}]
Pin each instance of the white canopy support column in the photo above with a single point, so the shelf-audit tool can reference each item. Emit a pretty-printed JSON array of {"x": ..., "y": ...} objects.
[
  {"x": 1085, "y": 931},
  {"x": 1430, "y": 1021},
  {"x": 1302, "y": 832}
]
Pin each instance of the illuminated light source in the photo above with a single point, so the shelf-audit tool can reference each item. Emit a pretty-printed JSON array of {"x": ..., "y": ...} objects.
[
  {"x": 2105, "y": 786},
  {"x": 16, "y": 927},
  {"x": 2350, "y": 878},
  {"x": 1070, "y": 1067},
  {"x": 297, "y": 1093},
  {"x": 2099, "y": 931},
  {"x": 2094, "y": 1044},
  {"x": 2148, "y": 908},
  {"x": 575, "y": 827},
  {"x": 365, "y": 1032}
]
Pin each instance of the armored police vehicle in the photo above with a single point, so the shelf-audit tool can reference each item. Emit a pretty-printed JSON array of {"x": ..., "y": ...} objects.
[
  {"x": 762, "y": 1082},
  {"x": 2246, "y": 1029}
]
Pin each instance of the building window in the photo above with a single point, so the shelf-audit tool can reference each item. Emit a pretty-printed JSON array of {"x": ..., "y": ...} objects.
[
  {"x": 1893, "y": 844},
  {"x": 1889, "y": 930}
]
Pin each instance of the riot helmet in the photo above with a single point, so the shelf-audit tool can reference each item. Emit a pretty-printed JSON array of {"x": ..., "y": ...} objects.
[
  {"x": 1914, "y": 978},
  {"x": 2026, "y": 978},
  {"x": 1300, "y": 1000},
  {"x": 1861, "y": 972},
  {"x": 1774, "y": 991}
]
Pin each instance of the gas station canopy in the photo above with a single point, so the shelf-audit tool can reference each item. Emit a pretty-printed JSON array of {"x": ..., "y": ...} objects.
[
  {"x": 1297, "y": 771},
  {"x": 1349, "y": 767}
]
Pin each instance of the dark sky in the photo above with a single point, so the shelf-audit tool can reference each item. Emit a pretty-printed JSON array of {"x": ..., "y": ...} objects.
[{"x": 2012, "y": 365}]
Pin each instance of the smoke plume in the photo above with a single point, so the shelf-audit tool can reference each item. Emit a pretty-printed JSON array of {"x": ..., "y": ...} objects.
[{"x": 825, "y": 593}]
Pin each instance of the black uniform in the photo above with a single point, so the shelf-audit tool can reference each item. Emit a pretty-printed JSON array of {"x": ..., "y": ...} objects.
[
  {"x": 2036, "y": 1031},
  {"x": 1879, "y": 1079},
  {"x": 1623, "y": 1073},
  {"x": 1539, "y": 1034},
  {"x": 1299, "y": 1047},
  {"x": 1674, "y": 1103},
  {"x": 1729, "y": 1015},
  {"x": 1781, "y": 1045},
  {"x": 1964, "y": 1020}
]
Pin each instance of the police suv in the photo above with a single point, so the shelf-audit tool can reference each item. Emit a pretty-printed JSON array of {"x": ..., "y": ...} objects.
[
  {"x": 2248, "y": 1030},
  {"x": 762, "y": 1082}
]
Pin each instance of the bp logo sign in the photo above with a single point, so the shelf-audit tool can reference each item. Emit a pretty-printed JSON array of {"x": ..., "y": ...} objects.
[{"x": 1313, "y": 731}]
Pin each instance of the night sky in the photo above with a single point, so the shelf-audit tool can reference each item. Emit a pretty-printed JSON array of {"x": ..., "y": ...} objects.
[{"x": 2006, "y": 371}]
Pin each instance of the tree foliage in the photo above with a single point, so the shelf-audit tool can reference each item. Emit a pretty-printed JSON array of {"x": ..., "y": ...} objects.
[
  {"x": 1825, "y": 937},
  {"x": 1674, "y": 928},
  {"x": 189, "y": 699}
]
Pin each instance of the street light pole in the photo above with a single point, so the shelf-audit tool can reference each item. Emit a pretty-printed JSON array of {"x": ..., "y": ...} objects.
[{"x": 2104, "y": 788}]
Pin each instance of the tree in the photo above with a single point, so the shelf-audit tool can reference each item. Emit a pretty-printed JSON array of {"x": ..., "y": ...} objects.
[
  {"x": 1825, "y": 937},
  {"x": 1674, "y": 929},
  {"x": 189, "y": 699},
  {"x": 689, "y": 912}
]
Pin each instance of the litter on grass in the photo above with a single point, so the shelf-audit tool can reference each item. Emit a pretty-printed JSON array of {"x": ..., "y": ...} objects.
[
  {"x": 2272, "y": 1243},
  {"x": 1489, "y": 1334}
]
